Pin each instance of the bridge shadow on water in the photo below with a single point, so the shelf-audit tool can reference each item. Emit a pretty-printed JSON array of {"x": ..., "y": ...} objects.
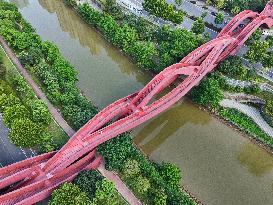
[{"x": 154, "y": 133}]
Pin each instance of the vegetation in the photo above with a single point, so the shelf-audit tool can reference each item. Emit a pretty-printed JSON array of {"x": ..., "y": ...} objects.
[
  {"x": 27, "y": 117},
  {"x": 69, "y": 193},
  {"x": 198, "y": 26},
  {"x": 137, "y": 171},
  {"x": 86, "y": 181},
  {"x": 219, "y": 18},
  {"x": 269, "y": 108},
  {"x": 162, "y": 9},
  {"x": 43, "y": 59},
  {"x": 89, "y": 188},
  {"x": 169, "y": 49},
  {"x": 152, "y": 50},
  {"x": 179, "y": 2},
  {"x": 208, "y": 93},
  {"x": 236, "y": 6},
  {"x": 257, "y": 51}
]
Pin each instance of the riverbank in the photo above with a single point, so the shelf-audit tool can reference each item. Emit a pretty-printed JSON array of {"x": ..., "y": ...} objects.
[{"x": 84, "y": 13}]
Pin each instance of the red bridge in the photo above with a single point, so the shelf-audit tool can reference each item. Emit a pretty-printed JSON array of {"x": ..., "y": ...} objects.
[{"x": 34, "y": 179}]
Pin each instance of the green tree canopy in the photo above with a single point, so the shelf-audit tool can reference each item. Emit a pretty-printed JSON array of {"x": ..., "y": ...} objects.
[
  {"x": 25, "y": 133},
  {"x": 198, "y": 26},
  {"x": 69, "y": 193}
]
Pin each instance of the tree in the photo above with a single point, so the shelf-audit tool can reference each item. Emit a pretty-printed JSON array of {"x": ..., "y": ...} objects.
[
  {"x": 13, "y": 112},
  {"x": 171, "y": 174},
  {"x": 25, "y": 133},
  {"x": 47, "y": 144},
  {"x": 7, "y": 100},
  {"x": 269, "y": 108},
  {"x": 269, "y": 39},
  {"x": 106, "y": 194},
  {"x": 258, "y": 52},
  {"x": 131, "y": 168},
  {"x": 116, "y": 151},
  {"x": 144, "y": 53},
  {"x": 208, "y": 93},
  {"x": 256, "y": 36},
  {"x": 179, "y": 2},
  {"x": 39, "y": 112},
  {"x": 233, "y": 67},
  {"x": 160, "y": 197},
  {"x": 208, "y": 2},
  {"x": 204, "y": 14},
  {"x": 219, "y": 18},
  {"x": 140, "y": 185},
  {"x": 235, "y": 10},
  {"x": 32, "y": 57},
  {"x": 220, "y": 4},
  {"x": 112, "y": 8},
  {"x": 198, "y": 26},
  {"x": 86, "y": 181},
  {"x": 161, "y": 8},
  {"x": 267, "y": 61},
  {"x": 69, "y": 193}
]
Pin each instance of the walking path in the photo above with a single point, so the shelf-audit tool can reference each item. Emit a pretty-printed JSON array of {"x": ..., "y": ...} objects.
[
  {"x": 57, "y": 116},
  {"x": 120, "y": 186},
  {"x": 126, "y": 193},
  {"x": 251, "y": 112}
]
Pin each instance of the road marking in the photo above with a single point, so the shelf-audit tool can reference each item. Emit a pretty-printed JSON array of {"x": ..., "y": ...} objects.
[{"x": 24, "y": 152}]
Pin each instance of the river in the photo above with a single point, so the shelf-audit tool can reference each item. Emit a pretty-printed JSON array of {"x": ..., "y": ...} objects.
[{"x": 219, "y": 166}]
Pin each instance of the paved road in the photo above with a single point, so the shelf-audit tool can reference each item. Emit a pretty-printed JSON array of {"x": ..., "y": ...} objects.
[{"x": 196, "y": 10}]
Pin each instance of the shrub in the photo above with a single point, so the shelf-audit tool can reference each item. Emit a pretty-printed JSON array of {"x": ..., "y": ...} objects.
[
  {"x": 219, "y": 18},
  {"x": 198, "y": 27},
  {"x": 39, "y": 112},
  {"x": 87, "y": 180},
  {"x": 25, "y": 133},
  {"x": 69, "y": 194},
  {"x": 131, "y": 168},
  {"x": 140, "y": 185},
  {"x": 208, "y": 93},
  {"x": 106, "y": 194},
  {"x": 171, "y": 174},
  {"x": 17, "y": 111}
]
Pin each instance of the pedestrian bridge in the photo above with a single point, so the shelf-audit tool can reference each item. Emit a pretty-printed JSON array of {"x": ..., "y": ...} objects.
[{"x": 34, "y": 179}]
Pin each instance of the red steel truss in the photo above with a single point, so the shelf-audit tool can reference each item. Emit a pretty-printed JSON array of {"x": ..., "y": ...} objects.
[{"x": 34, "y": 179}]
